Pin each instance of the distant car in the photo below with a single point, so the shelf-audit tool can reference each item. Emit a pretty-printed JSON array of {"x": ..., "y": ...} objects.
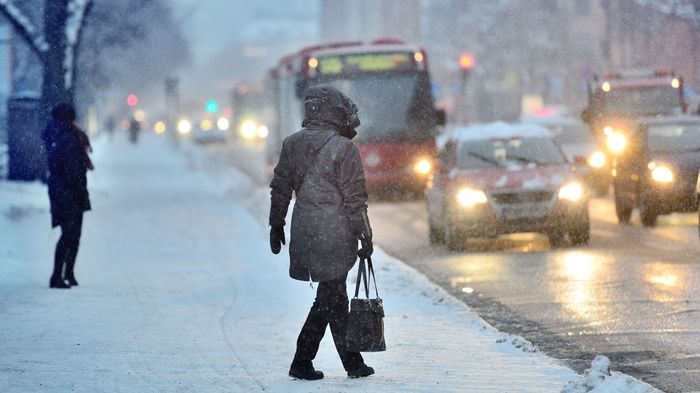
[
  {"x": 581, "y": 147},
  {"x": 208, "y": 131},
  {"x": 657, "y": 168},
  {"x": 503, "y": 178}
]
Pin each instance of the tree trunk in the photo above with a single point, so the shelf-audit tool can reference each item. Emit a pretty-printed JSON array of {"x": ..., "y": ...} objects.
[{"x": 53, "y": 89}]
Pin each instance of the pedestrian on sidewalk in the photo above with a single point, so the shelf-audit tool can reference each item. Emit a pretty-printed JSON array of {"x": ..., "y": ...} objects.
[
  {"x": 67, "y": 149},
  {"x": 322, "y": 166}
]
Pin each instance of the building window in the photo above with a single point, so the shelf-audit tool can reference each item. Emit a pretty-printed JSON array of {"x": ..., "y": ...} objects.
[{"x": 582, "y": 7}]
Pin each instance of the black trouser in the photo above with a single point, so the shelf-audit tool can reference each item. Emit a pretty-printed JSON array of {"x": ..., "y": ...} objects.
[
  {"x": 329, "y": 308},
  {"x": 67, "y": 246}
]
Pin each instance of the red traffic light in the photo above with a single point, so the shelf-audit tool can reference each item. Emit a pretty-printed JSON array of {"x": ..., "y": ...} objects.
[
  {"x": 466, "y": 61},
  {"x": 132, "y": 100}
]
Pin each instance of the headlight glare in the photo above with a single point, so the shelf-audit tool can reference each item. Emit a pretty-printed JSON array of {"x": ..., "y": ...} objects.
[
  {"x": 616, "y": 142},
  {"x": 423, "y": 167},
  {"x": 469, "y": 197},
  {"x": 662, "y": 174},
  {"x": 571, "y": 192},
  {"x": 597, "y": 159}
]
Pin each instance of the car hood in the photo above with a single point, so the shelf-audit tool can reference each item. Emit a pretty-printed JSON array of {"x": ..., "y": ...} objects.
[
  {"x": 578, "y": 150},
  {"x": 685, "y": 163},
  {"x": 521, "y": 177}
]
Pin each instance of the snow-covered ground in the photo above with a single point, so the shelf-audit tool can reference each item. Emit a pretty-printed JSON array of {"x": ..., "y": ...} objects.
[{"x": 179, "y": 293}]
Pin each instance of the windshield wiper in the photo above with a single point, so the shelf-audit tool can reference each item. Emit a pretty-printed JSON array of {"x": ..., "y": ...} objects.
[
  {"x": 483, "y": 158},
  {"x": 523, "y": 159}
]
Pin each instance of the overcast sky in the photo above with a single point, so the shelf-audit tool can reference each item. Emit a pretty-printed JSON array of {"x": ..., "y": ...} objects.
[{"x": 220, "y": 30}]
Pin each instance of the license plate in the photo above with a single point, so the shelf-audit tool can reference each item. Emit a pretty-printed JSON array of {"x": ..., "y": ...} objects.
[{"x": 524, "y": 211}]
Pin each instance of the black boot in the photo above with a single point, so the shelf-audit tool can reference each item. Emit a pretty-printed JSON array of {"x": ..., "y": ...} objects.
[
  {"x": 362, "y": 371},
  {"x": 57, "y": 282},
  {"x": 304, "y": 371},
  {"x": 70, "y": 278}
]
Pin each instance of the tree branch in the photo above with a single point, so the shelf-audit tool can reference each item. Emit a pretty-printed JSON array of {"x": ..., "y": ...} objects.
[
  {"x": 77, "y": 13},
  {"x": 24, "y": 27}
]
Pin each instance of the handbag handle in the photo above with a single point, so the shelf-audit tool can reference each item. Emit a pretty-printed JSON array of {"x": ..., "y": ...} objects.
[{"x": 362, "y": 274}]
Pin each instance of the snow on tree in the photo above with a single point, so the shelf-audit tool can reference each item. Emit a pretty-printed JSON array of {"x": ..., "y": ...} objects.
[{"x": 55, "y": 45}]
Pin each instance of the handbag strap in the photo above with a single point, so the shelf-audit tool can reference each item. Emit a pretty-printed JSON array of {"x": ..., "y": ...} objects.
[
  {"x": 313, "y": 161},
  {"x": 362, "y": 274}
]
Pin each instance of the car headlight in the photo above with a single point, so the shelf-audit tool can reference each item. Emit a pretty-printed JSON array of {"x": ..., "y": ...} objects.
[
  {"x": 184, "y": 126},
  {"x": 469, "y": 197},
  {"x": 616, "y": 142},
  {"x": 571, "y": 192},
  {"x": 423, "y": 167},
  {"x": 597, "y": 159},
  {"x": 248, "y": 129},
  {"x": 661, "y": 173}
]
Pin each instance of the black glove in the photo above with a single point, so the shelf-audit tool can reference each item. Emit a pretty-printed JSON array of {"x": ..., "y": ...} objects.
[
  {"x": 276, "y": 239},
  {"x": 367, "y": 248}
]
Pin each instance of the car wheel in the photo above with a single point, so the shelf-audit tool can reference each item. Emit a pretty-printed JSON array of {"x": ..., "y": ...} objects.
[
  {"x": 453, "y": 239},
  {"x": 580, "y": 236},
  {"x": 647, "y": 212},
  {"x": 623, "y": 210},
  {"x": 556, "y": 239},
  {"x": 601, "y": 190},
  {"x": 437, "y": 236}
]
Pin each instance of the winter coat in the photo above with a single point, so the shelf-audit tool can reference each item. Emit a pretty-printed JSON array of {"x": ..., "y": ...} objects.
[
  {"x": 68, "y": 161},
  {"x": 322, "y": 245}
]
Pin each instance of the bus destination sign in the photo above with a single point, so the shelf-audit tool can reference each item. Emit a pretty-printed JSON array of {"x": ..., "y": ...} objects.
[{"x": 366, "y": 62}]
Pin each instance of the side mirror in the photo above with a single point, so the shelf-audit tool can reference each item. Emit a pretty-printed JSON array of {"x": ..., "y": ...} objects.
[
  {"x": 440, "y": 117},
  {"x": 299, "y": 88},
  {"x": 579, "y": 160},
  {"x": 587, "y": 116}
]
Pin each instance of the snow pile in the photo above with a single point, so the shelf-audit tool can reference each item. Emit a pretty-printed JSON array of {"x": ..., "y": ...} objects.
[
  {"x": 599, "y": 379},
  {"x": 499, "y": 130}
]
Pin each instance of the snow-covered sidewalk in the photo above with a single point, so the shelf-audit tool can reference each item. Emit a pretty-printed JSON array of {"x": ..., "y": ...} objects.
[{"x": 180, "y": 293}]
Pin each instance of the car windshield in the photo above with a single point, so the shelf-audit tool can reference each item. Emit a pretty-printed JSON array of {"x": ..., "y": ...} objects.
[
  {"x": 391, "y": 106},
  {"x": 643, "y": 101},
  {"x": 492, "y": 153},
  {"x": 676, "y": 137},
  {"x": 570, "y": 133}
]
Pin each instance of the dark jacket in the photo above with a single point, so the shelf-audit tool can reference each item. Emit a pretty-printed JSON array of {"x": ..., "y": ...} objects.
[
  {"x": 331, "y": 199},
  {"x": 68, "y": 162}
]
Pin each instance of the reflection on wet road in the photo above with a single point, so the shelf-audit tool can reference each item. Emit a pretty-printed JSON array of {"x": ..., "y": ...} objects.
[{"x": 632, "y": 294}]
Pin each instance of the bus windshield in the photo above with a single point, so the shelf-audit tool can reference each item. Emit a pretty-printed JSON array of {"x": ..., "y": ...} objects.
[
  {"x": 642, "y": 101},
  {"x": 391, "y": 106}
]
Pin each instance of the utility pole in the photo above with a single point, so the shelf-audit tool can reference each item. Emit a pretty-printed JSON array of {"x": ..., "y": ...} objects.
[{"x": 466, "y": 64}]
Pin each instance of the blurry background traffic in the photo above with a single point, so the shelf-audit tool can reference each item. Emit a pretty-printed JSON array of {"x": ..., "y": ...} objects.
[{"x": 160, "y": 62}]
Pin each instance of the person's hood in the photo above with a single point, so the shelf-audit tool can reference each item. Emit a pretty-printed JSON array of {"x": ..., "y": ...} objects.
[{"x": 326, "y": 106}]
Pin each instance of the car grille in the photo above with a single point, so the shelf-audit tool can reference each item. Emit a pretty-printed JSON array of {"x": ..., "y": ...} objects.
[{"x": 522, "y": 197}]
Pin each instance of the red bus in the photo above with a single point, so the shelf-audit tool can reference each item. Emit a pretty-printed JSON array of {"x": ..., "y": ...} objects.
[{"x": 389, "y": 82}]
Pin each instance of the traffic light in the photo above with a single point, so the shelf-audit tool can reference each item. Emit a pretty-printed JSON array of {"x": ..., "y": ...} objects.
[
  {"x": 212, "y": 106},
  {"x": 132, "y": 100},
  {"x": 466, "y": 62}
]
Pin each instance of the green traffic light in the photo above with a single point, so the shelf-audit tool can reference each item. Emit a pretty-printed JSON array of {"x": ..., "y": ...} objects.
[{"x": 212, "y": 106}]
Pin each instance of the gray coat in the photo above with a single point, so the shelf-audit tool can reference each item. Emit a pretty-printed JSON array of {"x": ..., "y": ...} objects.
[{"x": 331, "y": 198}]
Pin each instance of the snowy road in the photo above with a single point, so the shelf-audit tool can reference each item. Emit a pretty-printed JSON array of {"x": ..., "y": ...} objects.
[{"x": 179, "y": 293}]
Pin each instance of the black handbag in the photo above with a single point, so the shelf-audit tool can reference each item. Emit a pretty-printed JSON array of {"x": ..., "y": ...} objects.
[{"x": 366, "y": 322}]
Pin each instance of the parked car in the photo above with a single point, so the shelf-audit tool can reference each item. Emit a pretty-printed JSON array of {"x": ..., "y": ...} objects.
[
  {"x": 657, "y": 169},
  {"x": 501, "y": 178},
  {"x": 581, "y": 147}
]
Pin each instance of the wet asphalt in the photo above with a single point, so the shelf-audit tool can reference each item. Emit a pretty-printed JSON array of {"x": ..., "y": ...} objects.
[{"x": 632, "y": 294}]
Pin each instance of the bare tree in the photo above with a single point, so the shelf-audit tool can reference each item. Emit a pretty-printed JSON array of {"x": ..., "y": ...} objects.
[{"x": 56, "y": 45}]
